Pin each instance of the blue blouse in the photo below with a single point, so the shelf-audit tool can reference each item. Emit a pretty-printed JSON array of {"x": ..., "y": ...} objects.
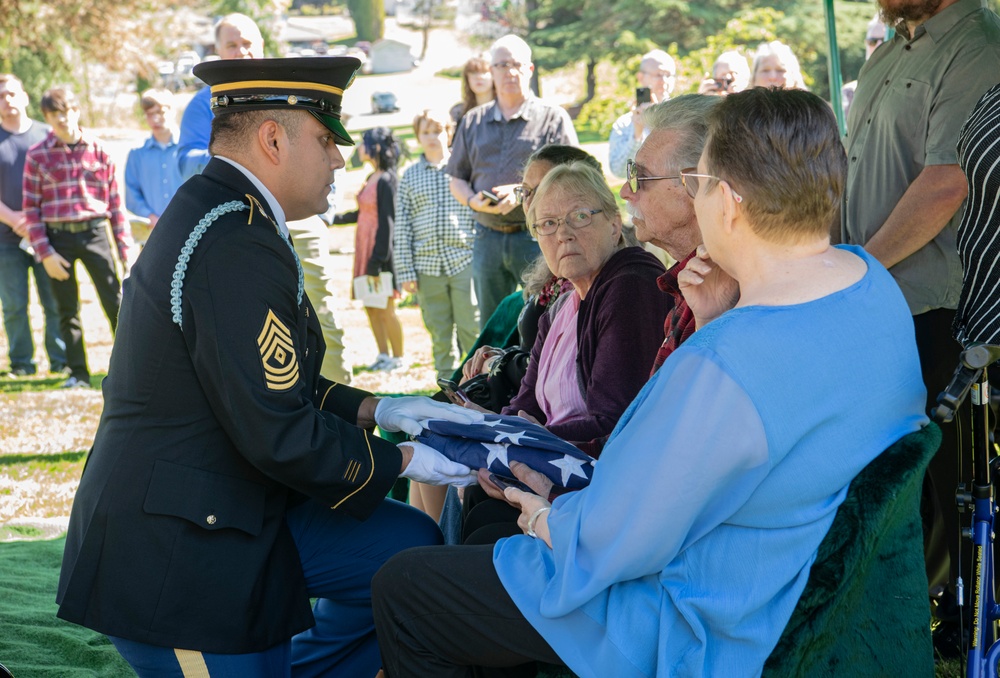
[{"x": 689, "y": 550}]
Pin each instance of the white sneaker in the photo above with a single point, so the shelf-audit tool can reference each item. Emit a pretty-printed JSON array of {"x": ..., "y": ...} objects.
[
  {"x": 394, "y": 363},
  {"x": 381, "y": 363}
]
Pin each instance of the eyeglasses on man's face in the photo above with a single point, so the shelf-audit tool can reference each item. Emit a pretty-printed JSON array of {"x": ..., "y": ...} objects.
[
  {"x": 690, "y": 178},
  {"x": 576, "y": 219},
  {"x": 508, "y": 64},
  {"x": 634, "y": 180}
]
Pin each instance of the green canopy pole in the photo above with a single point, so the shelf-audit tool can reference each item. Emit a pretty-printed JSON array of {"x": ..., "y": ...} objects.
[{"x": 833, "y": 63}]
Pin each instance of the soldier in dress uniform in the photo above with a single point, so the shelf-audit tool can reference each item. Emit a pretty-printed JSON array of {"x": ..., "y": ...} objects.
[{"x": 229, "y": 482}]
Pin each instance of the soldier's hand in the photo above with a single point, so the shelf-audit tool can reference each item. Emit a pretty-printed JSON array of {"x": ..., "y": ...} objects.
[
  {"x": 429, "y": 466},
  {"x": 407, "y": 412}
]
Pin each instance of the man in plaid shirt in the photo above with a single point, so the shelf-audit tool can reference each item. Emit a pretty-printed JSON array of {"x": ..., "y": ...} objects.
[{"x": 70, "y": 196}]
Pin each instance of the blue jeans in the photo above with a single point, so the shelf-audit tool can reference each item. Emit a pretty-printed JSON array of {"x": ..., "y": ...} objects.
[
  {"x": 14, "y": 266},
  {"x": 339, "y": 555},
  {"x": 498, "y": 259}
]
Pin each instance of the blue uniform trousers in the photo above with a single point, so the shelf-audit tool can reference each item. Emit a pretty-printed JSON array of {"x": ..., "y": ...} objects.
[{"x": 339, "y": 557}]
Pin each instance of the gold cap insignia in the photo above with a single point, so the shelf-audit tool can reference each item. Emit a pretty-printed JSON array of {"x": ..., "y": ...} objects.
[{"x": 277, "y": 354}]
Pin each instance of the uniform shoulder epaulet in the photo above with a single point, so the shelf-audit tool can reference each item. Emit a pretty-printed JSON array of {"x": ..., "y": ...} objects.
[{"x": 177, "y": 284}]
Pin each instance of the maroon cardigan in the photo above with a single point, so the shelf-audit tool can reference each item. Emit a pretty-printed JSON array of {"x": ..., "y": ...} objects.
[{"x": 619, "y": 329}]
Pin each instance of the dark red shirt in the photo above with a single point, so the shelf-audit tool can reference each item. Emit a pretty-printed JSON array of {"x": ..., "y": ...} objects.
[
  {"x": 679, "y": 324},
  {"x": 70, "y": 183}
]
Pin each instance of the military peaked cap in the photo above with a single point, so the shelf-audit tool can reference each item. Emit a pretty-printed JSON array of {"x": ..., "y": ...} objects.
[{"x": 314, "y": 84}]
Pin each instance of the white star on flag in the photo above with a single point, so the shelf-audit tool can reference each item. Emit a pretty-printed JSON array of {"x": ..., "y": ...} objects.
[
  {"x": 570, "y": 466},
  {"x": 513, "y": 437},
  {"x": 497, "y": 451}
]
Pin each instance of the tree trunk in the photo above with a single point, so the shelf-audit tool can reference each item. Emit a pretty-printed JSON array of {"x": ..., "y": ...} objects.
[
  {"x": 368, "y": 17},
  {"x": 429, "y": 10},
  {"x": 591, "y": 79}
]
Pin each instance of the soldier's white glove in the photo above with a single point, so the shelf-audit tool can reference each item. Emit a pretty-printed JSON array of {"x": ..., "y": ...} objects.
[
  {"x": 406, "y": 413},
  {"x": 433, "y": 468}
]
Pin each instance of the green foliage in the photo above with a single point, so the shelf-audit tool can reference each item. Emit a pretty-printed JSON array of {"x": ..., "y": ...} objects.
[
  {"x": 599, "y": 114},
  {"x": 619, "y": 31},
  {"x": 454, "y": 72},
  {"x": 38, "y": 70},
  {"x": 368, "y": 17}
]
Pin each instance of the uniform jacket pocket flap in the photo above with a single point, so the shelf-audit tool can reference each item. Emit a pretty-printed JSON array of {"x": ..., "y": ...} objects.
[{"x": 210, "y": 500}]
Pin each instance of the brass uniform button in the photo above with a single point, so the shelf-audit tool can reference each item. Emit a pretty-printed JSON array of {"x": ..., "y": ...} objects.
[{"x": 211, "y": 519}]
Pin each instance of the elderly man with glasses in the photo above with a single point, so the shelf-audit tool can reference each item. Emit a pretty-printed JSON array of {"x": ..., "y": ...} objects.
[
  {"x": 490, "y": 149},
  {"x": 656, "y": 78},
  {"x": 659, "y": 198}
]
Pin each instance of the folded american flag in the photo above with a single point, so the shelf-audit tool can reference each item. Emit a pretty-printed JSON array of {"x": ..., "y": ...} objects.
[{"x": 498, "y": 440}]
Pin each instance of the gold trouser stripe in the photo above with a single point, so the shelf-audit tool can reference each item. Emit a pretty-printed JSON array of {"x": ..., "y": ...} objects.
[
  {"x": 192, "y": 663},
  {"x": 276, "y": 84}
]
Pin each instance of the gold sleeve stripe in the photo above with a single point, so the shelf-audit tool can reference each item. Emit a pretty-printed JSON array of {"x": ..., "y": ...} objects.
[
  {"x": 298, "y": 87},
  {"x": 192, "y": 663},
  {"x": 322, "y": 402},
  {"x": 371, "y": 472}
]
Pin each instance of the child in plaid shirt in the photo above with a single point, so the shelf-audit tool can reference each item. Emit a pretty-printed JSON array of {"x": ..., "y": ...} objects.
[{"x": 70, "y": 196}]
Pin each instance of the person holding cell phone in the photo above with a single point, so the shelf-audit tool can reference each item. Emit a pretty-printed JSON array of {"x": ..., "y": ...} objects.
[
  {"x": 730, "y": 74},
  {"x": 492, "y": 143},
  {"x": 656, "y": 77}
]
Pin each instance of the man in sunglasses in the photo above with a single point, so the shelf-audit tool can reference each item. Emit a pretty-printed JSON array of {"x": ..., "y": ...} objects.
[{"x": 659, "y": 202}]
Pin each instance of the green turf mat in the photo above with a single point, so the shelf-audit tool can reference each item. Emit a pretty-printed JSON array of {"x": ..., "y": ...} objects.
[{"x": 33, "y": 642}]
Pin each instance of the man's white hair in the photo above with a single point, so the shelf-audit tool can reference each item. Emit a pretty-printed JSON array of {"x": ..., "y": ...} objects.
[
  {"x": 660, "y": 57},
  {"x": 517, "y": 47}
]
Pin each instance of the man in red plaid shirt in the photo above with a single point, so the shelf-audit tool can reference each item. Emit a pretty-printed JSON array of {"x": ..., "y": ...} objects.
[{"x": 70, "y": 196}]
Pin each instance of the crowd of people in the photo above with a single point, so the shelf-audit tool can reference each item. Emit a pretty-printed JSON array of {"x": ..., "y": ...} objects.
[{"x": 234, "y": 476}]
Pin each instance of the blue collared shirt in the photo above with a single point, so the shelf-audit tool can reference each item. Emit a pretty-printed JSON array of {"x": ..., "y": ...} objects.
[{"x": 151, "y": 177}]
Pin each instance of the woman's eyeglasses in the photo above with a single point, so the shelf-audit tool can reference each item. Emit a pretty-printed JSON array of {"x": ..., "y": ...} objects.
[
  {"x": 633, "y": 178},
  {"x": 575, "y": 220},
  {"x": 690, "y": 177}
]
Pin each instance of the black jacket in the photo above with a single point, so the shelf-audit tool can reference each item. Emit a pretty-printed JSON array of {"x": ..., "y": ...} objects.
[{"x": 209, "y": 433}]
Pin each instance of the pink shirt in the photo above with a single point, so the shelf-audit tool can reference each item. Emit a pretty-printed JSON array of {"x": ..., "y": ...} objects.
[{"x": 558, "y": 387}]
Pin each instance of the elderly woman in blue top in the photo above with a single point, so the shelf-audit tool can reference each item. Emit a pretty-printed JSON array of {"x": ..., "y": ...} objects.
[{"x": 689, "y": 550}]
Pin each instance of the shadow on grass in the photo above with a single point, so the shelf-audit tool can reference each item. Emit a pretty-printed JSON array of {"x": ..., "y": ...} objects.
[
  {"x": 47, "y": 383},
  {"x": 14, "y": 459}
]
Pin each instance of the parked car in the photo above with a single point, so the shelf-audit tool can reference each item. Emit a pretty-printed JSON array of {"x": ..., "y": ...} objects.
[{"x": 384, "y": 102}]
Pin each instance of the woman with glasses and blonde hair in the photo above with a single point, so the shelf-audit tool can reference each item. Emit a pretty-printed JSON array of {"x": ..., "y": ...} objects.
[
  {"x": 596, "y": 341},
  {"x": 688, "y": 551}
]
